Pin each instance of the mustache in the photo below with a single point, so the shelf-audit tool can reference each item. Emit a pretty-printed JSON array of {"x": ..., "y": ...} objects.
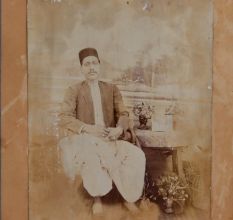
[{"x": 92, "y": 72}]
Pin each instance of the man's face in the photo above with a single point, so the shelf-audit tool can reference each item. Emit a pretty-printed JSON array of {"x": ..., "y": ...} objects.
[{"x": 90, "y": 68}]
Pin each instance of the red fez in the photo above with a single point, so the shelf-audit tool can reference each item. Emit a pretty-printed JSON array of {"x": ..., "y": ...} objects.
[{"x": 87, "y": 52}]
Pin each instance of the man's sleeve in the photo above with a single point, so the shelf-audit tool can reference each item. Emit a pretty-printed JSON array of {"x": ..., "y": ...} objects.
[
  {"x": 121, "y": 113},
  {"x": 68, "y": 121}
]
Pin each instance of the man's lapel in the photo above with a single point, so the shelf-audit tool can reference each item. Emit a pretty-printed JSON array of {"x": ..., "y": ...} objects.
[
  {"x": 86, "y": 93},
  {"x": 104, "y": 99}
]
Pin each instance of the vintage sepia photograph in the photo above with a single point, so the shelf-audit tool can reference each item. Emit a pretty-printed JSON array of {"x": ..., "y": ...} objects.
[{"x": 119, "y": 99}]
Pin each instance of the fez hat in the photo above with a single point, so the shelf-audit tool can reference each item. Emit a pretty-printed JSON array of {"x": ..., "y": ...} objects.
[{"x": 87, "y": 52}]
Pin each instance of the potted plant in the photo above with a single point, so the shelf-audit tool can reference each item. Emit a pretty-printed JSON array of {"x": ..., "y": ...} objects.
[
  {"x": 143, "y": 112},
  {"x": 173, "y": 192}
]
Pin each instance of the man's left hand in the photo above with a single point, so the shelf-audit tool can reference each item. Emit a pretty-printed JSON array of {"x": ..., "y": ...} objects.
[{"x": 114, "y": 133}]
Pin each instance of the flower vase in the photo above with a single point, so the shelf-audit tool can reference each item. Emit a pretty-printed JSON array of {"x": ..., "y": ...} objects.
[
  {"x": 143, "y": 121},
  {"x": 169, "y": 206}
]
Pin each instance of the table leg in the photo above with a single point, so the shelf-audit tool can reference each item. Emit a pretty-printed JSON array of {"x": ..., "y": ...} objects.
[{"x": 177, "y": 164}]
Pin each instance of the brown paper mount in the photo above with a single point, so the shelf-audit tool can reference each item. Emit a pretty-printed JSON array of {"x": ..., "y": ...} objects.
[{"x": 14, "y": 133}]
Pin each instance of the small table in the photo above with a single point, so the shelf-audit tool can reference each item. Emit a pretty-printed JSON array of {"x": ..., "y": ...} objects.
[{"x": 165, "y": 142}]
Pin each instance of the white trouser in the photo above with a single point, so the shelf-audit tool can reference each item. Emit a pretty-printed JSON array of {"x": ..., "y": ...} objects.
[{"x": 99, "y": 162}]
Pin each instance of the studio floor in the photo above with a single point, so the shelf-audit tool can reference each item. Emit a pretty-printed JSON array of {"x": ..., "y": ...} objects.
[{"x": 59, "y": 199}]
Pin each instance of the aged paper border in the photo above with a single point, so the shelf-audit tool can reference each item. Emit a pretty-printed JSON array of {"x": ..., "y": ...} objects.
[{"x": 14, "y": 139}]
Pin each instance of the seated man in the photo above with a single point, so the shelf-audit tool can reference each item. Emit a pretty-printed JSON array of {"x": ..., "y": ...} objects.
[{"x": 94, "y": 116}]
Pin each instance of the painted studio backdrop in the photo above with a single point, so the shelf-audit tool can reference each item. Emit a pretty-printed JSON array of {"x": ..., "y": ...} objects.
[{"x": 158, "y": 53}]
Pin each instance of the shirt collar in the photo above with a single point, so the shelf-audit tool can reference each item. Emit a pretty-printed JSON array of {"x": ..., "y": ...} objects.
[{"x": 93, "y": 83}]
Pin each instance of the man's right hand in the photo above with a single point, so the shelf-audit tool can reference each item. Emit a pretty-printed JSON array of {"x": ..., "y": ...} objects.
[{"x": 95, "y": 130}]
